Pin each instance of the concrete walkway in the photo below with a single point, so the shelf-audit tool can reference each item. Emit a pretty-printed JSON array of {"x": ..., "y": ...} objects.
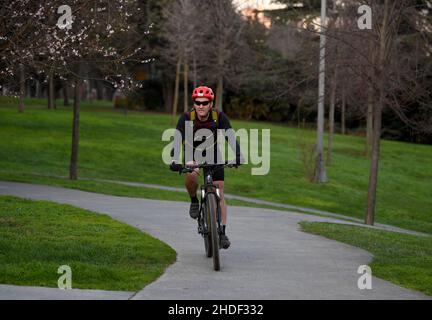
[
  {"x": 270, "y": 257},
  {"x": 293, "y": 208},
  {"x": 8, "y": 292}
]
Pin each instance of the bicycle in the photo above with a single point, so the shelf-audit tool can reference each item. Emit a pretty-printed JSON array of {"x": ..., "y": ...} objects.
[{"x": 209, "y": 217}]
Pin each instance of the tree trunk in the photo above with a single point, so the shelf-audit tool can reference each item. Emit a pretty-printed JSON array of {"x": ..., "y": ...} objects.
[
  {"x": 51, "y": 98},
  {"x": 65, "y": 94},
  {"x": 73, "y": 175},
  {"x": 373, "y": 175},
  {"x": 369, "y": 122},
  {"x": 38, "y": 90},
  {"x": 194, "y": 71},
  {"x": 125, "y": 106},
  {"x": 87, "y": 91},
  {"x": 320, "y": 171},
  {"x": 331, "y": 117},
  {"x": 176, "y": 91},
  {"x": 377, "y": 118},
  {"x": 343, "y": 110},
  {"x": 185, "y": 83},
  {"x": 99, "y": 91},
  {"x": 103, "y": 92},
  {"x": 298, "y": 114},
  {"x": 22, "y": 88},
  {"x": 28, "y": 90},
  {"x": 219, "y": 94},
  {"x": 168, "y": 91}
]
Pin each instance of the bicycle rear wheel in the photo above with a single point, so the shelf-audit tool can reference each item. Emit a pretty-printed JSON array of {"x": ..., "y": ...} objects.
[{"x": 213, "y": 230}]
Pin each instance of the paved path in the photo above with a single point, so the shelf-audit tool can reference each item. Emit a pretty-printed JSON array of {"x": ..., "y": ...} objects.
[
  {"x": 293, "y": 208},
  {"x": 8, "y": 292},
  {"x": 270, "y": 257}
]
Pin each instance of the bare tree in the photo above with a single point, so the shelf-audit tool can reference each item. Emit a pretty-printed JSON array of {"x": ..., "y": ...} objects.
[
  {"x": 343, "y": 111},
  {"x": 73, "y": 166},
  {"x": 333, "y": 65},
  {"x": 33, "y": 39},
  {"x": 176, "y": 90},
  {"x": 320, "y": 170},
  {"x": 181, "y": 36},
  {"x": 383, "y": 76},
  {"x": 377, "y": 73},
  {"x": 22, "y": 88},
  {"x": 51, "y": 93},
  {"x": 220, "y": 47},
  {"x": 331, "y": 115}
]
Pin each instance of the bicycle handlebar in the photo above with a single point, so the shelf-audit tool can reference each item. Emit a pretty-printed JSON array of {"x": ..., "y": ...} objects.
[{"x": 188, "y": 169}]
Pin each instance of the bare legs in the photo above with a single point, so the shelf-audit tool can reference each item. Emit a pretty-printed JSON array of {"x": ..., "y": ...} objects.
[{"x": 191, "y": 183}]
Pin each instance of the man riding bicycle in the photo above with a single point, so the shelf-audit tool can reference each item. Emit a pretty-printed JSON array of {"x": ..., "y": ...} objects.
[{"x": 204, "y": 117}]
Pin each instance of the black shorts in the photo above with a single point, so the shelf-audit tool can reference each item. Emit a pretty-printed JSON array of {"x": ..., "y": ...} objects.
[{"x": 218, "y": 175}]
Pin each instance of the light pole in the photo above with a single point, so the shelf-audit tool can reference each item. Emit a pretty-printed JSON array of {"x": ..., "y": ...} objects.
[{"x": 320, "y": 172}]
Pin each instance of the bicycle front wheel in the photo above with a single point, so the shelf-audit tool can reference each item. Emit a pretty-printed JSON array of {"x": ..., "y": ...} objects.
[
  {"x": 211, "y": 205},
  {"x": 207, "y": 234}
]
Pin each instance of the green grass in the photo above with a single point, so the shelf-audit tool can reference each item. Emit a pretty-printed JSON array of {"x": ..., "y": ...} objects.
[
  {"x": 405, "y": 260},
  {"x": 36, "y": 237},
  {"x": 128, "y": 148}
]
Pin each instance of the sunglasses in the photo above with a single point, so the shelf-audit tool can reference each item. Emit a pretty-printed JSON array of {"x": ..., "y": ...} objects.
[{"x": 202, "y": 103}]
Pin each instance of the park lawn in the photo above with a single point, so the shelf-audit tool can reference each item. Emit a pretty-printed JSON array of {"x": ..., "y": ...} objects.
[
  {"x": 37, "y": 237},
  {"x": 128, "y": 148},
  {"x": 405, "y": 260}
]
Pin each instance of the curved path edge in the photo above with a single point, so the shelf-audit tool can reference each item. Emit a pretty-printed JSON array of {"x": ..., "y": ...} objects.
[{"x": 270, "y": 257}]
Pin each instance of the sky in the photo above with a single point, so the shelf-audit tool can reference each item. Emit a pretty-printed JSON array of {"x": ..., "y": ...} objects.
[{"x": 262, "y": 4}]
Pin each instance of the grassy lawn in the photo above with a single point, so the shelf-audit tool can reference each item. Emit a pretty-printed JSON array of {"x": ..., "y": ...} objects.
[
  {"x": 36, "y": 237},
  {"x": 128, "y": 148},
  {"x": 405, "y": 260}
]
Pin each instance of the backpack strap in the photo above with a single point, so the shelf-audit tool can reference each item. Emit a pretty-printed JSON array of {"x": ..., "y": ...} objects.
[
  {"x": 192, "y": 115},
  {"x": 215, "y": 116}
]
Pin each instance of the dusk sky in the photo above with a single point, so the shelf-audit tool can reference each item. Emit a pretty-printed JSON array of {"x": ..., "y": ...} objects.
[{"x": 267, "y": 4}]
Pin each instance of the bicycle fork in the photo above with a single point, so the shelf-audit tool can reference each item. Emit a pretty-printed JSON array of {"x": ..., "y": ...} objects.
[{"x": 201, "y": 225}]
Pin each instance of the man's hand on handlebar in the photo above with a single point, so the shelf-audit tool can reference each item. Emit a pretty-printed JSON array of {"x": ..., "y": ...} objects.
[
  {"x": 175, "y": 166},
  {"x": 192, "y": 164},
  {"x": 189, "y": 167}
]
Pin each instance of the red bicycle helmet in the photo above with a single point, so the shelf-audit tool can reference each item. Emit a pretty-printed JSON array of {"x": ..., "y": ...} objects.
[{"x": 203, "y": 92}]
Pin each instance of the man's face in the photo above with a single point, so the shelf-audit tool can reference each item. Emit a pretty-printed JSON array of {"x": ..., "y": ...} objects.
[{"x": 202, "y": 106}]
